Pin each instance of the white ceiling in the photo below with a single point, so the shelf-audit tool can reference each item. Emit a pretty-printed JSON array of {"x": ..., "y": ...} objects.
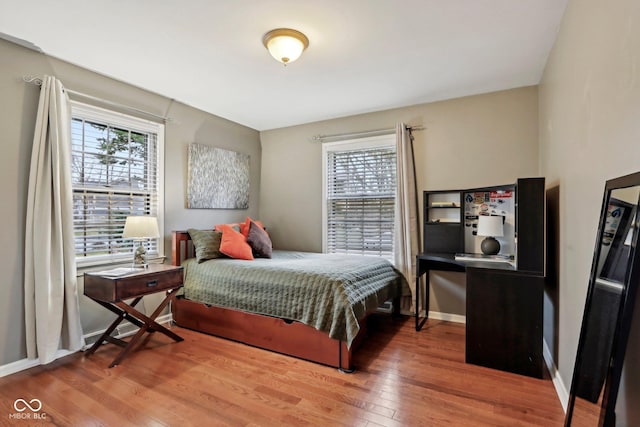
[{"x": 364, "y": 55}]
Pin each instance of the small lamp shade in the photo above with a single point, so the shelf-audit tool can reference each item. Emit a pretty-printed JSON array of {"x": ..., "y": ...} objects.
[
  {"x": 490, "y": 226},
  {"x": 141, "y": 227}
]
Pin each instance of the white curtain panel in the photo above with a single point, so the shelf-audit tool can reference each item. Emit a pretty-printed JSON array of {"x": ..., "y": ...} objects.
[
  {"x": 52, "y": 316},
  {"x": 406, "y": 226}
]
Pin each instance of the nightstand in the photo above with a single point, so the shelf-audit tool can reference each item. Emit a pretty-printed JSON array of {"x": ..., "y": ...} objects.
[{"x": 110, "y": 292}]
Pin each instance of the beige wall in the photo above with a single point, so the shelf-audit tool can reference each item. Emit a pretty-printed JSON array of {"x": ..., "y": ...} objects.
[
  {"x": 476, "y": 141},
  {"x": 589, "y": 132},
  {"x": 18, "y": 105}
]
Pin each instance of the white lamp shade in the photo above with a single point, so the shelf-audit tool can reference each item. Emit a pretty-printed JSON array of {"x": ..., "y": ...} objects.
[
  {"x": 285, "y": 45},
  {"x": 141, "y": 227},
  {"x": 490, "y": 226}
]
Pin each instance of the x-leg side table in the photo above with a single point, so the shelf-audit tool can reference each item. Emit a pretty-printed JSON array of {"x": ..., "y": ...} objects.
[{"x": 110, "y": 293}]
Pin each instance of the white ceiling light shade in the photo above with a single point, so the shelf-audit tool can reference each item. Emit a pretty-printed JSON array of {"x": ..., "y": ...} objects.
[{"x": 284, "y": 44}]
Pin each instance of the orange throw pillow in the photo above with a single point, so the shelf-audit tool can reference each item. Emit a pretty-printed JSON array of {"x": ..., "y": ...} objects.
[
  {"x": 235, "y": 226},
  {"x": 234, "y": 245},
  {"x": 246, "y": 225}
]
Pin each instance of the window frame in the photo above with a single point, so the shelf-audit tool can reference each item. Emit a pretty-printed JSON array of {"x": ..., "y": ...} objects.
[
  {"x": 359, "y": 144},
  {"x": 117, "y": 119}
]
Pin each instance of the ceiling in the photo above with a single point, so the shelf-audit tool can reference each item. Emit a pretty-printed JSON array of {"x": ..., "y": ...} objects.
[{"x": 364, "y": 55}]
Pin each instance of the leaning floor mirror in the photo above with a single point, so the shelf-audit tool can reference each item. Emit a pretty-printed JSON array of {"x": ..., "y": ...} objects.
[{"x": 606, "y": 322}]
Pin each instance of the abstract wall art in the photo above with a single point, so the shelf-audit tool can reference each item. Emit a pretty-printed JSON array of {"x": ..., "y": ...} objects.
[{"x": 217, "y": 178}]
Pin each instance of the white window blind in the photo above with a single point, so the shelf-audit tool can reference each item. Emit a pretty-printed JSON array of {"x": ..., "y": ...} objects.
[
  {"x": 115, "y": 173},
  {"x": 360, "y": 188}
]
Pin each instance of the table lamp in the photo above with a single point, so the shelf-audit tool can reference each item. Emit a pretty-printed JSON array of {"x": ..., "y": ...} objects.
[
  {"x": 140, "y": 228},
  {"x": 490, "y": 227}
]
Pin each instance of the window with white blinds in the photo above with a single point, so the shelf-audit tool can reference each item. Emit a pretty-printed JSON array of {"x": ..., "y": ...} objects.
[
  {"x": 116, "y": 172},
  {"x": 360, "y": 190}
]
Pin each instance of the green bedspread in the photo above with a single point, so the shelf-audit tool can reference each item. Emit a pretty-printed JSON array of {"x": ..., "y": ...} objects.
[{"x": 327, "y": 292}]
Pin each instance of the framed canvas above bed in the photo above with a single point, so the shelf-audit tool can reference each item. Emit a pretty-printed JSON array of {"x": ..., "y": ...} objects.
[{"x": 217, "y": 178}]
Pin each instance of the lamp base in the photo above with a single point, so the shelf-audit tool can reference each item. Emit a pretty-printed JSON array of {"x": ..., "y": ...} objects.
[
  {"x": 140, "y": 257},
  {"x": 490, "y": 246}
]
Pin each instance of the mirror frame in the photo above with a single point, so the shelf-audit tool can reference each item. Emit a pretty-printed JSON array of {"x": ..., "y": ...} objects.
[{"x": 625, "y": 313}]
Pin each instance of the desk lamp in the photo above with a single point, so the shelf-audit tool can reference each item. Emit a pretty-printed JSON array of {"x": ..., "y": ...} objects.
[
  {"x": 140, "y": 228},
  {"x": 490, "y": 227}
]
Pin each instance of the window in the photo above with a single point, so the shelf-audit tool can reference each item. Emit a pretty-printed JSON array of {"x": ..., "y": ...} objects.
[
  {"x": 360, "y": 190},
  {"x": 116, "y": 172}
]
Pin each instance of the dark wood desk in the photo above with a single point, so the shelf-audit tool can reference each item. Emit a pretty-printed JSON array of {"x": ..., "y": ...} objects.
[
  {"x": 426, "y": 263},
  {"x": 110, "y": 292},
  {"x": 504, "y": 312}
]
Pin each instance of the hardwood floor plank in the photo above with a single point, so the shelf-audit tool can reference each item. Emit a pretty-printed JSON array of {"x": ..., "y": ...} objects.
[{"x": 403, "y": 378}]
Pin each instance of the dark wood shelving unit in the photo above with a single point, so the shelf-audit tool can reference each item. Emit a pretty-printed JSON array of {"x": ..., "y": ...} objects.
[
  {"x": 443, "y": 224},
  {"x": 504, "y": 301}
]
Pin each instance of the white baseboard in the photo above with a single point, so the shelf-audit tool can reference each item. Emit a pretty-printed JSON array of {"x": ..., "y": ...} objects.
[
  {"x": 17, "y": 366},
  {"x": 21, "y": 365},
  {"x": 437, "y": 315},
  {"x": 561, "y": 389},
  {"x": 448, "y": 317},
  {"x": 125, "y": 329}
]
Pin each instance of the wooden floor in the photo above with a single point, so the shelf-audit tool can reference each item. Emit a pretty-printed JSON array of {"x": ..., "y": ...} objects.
[{"x": 404, "y": 378}]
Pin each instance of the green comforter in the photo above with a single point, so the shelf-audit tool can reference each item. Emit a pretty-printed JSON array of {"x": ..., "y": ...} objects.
[{"x": 327, "y": 292}]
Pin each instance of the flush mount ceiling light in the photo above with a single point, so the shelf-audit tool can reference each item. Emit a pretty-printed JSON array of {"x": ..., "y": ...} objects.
[{"x": 284, "y": 44}]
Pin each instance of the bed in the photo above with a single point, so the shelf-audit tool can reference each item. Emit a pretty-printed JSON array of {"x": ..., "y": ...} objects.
[{"x": 307, "y": 305}]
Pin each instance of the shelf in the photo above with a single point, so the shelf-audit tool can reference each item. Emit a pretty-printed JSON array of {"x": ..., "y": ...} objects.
[
  {"x": 443, "y": 221},
  {"x": 444, "y": 204},
  {"x": 505, "y": 259}
]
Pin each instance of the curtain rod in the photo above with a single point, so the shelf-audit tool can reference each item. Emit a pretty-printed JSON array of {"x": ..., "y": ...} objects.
[
  {"x": 325, "y": 138},
  {"x": 38, "y": 82}
]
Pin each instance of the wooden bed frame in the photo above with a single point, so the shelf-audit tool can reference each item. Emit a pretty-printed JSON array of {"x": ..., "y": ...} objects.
[{"x": 270, "y": 333}]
